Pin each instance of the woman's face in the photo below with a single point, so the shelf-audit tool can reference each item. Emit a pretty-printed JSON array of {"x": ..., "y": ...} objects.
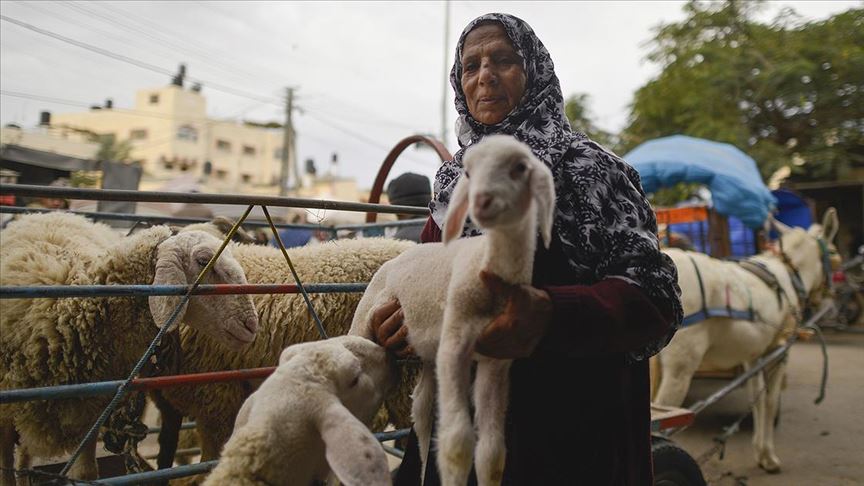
[{"x": 492, "y": 76}]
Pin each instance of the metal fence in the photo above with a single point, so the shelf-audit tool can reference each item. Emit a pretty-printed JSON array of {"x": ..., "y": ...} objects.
[{"x": 118, "y": 388}]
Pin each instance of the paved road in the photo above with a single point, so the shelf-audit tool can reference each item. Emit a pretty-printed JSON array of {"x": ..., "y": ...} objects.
[{"x": 817, "y": 444}]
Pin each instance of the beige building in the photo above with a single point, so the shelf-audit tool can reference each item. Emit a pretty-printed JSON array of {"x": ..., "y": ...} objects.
[
  {"x": 172, "y": 136},
  {"x": 48, "y": 139}
]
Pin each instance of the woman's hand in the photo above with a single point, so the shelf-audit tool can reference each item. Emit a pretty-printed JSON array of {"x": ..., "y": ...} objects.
[
  {"x": 389, "y": 329},
  {"x": 517, "y": 330}
]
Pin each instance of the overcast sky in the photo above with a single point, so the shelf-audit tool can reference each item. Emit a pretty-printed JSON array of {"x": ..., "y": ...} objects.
[{"x": 367, "y": 73}]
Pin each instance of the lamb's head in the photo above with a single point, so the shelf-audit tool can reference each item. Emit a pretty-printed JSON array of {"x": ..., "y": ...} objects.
[
  {"x": 502, "y": 184},
  {"x": 355, "y": 370},
  {"x": 229, "y": 318}
]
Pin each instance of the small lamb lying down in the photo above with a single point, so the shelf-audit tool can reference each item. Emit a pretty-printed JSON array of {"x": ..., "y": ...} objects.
[{"x": 311, "y": 415}]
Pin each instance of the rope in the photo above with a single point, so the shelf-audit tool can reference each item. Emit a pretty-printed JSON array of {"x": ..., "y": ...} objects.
[
  {"x": 318, "y": 323},
  {"x": 121, "y": 391}
]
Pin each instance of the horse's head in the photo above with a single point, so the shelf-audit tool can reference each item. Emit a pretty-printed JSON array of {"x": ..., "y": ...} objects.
[{"x": 811, "y": 253}]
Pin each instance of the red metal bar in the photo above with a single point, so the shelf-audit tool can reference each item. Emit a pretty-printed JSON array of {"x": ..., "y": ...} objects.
[
  {"x": 159, "y": 382},
  {"x": 378, "y": 186}
]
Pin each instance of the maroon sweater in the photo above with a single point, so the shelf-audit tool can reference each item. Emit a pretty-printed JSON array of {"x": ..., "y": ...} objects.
[{"x": 579, "y": 412}]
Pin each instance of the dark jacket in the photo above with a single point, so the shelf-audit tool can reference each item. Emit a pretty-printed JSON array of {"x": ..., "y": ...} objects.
[{"x": 579, "y": 410}]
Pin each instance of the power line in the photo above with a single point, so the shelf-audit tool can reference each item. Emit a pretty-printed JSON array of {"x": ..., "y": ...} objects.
[
  {"x": 135, "y": 62},
  {"x": 119, "y": 21},
  {"x": 360, "y": 136}
]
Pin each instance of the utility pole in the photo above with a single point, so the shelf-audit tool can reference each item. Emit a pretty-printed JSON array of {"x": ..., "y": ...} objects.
[
  {"x": 289, "y": 155},
  {"x": 446, "y": 77}
]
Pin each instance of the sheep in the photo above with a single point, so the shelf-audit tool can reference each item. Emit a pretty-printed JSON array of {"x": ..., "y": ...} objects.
[
  {"x": 313, "y": 410},
  {"x": 46, "y": 342},
  {"x": 509, "y": 194},
  {"x": 283, "y": 320}
]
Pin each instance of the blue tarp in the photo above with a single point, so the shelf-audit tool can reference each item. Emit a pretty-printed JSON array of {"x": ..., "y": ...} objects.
[
  {"x": 792, "y": 209},
  {"x": 731, "y": 175}
]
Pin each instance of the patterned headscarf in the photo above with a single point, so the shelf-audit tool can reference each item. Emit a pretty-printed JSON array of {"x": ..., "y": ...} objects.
[{"x": 604, "y": 223}]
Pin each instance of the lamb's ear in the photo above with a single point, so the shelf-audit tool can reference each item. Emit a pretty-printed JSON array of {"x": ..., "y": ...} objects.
[
  {"x": 354, "y": 455},
  {"x": 830, "y": 224},
  {"x": 457, "y": 211},
  {"x": 543, "y": 192},
  {"x": 244, "y": 413},
  {"x": 169, "y": 271}
]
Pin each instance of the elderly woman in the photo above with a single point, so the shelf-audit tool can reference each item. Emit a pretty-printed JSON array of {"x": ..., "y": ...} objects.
[{"x": 603, "y": 300}]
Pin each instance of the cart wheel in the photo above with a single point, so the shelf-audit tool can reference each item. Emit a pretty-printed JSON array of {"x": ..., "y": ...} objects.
[{"x": 673, "y": 466}]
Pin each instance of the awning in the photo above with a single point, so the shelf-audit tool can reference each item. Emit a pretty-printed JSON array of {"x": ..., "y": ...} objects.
[{"x": 47, "y": 160}]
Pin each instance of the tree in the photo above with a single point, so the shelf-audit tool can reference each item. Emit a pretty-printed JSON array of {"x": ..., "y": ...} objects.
[
  {"x": 576, "y": 109},
  {"x": 789, "y": 93}
]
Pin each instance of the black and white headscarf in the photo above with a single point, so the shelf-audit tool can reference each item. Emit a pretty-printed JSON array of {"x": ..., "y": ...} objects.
[{"x": 605, "y": 225}]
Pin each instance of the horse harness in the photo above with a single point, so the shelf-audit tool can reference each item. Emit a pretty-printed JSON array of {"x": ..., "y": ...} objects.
[{"x": 761, "y": 271}]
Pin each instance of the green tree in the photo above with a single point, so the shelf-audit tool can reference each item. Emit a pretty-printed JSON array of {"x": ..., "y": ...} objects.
[
  {"x": 576, "y": 109},
  {"x": 789, "y": 93}
]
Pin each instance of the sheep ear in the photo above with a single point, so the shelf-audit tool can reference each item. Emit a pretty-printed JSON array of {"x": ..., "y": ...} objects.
[
  {"x": 780, "y": 227},
  {"x": 457, "y": 211},
  {"x": 168, "y": 272},
  {"x": 354, "y": 455},
  {"x": 830, "y": 224},
  {"x": 543, "y": 192}
]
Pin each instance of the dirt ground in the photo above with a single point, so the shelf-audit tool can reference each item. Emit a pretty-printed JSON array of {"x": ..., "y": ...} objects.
[{"x": 817, "y": 444}]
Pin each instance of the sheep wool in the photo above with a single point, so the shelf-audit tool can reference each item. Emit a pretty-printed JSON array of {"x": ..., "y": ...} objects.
[
  {"x": 283, "y": 320},
  {"x": 47, "y": 342}
]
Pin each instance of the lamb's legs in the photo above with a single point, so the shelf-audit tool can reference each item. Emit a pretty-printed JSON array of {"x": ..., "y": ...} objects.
[
  {"x": 7, "y": 455},
  {"x": 455, "y": 434},
  {"x": 85, "y": 466},
  {"x": 423, "y": 400},
  {"x": 491, "y": 389}
]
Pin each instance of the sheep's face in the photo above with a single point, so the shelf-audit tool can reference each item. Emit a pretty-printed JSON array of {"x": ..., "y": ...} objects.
[
  {"x": 502, "y": 179},
  {"x": 359, "y": 372},
  {"x": 231, "y": 319}
]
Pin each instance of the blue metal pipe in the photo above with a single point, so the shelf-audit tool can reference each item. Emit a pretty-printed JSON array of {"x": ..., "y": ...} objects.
[
  {"x": 161, "y": 475},
  {"x": 66, "y": 291},
  {"x": 204, "y": 467}
]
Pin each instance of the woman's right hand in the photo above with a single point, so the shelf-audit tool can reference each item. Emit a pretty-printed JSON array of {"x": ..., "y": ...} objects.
[{"x": 390, "y": 330}]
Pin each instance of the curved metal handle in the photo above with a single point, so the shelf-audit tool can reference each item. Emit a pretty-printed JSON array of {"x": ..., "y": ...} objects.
[{"x": 384, "y": 171}]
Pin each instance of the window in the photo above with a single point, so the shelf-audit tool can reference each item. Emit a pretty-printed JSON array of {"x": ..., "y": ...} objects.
[
  {"x": 187, "y": 132},
  {"x": 154, "y": 99},
  {"x": 138, "y": 134},
  {"x": 223, "y": 145},
  {"x": 221, "y": 174},
  {"x": 247, "y": 178},
  {"x": 248, "y": 150},
  {"x": 168, "y": 164}
]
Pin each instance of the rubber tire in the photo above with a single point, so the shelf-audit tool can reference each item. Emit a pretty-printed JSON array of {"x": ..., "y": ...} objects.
[{"x": 673, "y": 466}]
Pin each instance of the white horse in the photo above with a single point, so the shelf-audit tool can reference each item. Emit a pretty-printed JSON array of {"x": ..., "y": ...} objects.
[{"x": 722, "y": 343}]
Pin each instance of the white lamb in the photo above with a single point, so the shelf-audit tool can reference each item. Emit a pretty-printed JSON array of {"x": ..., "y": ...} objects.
[
  {"x": 48, "y": 341},
  {"x": 314, "y": 410},
  {"x": 509, "y": 193}
]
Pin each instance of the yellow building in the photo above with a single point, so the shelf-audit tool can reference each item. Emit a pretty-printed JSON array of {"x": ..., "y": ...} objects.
[{"x": 172, "y": 136}]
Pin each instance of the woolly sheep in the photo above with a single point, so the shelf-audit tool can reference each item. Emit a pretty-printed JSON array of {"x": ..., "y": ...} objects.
[
  {"x": 46, "y": 342},
  {"x": 509, "y": 194},
  {"x": 283, "y": 320},
  {"x": 313, "y": 410}
]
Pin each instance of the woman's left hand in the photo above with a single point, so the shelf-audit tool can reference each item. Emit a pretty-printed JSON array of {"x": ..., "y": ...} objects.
[{"x": 516, "y": 331}]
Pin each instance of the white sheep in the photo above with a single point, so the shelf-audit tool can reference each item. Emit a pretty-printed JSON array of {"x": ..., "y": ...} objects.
[
  {"x": 48, "y": 341},
  {"x": 509, "y": 193},
  {"x": 283, "y": 320},
  {"x": 314, "y": 410}
]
